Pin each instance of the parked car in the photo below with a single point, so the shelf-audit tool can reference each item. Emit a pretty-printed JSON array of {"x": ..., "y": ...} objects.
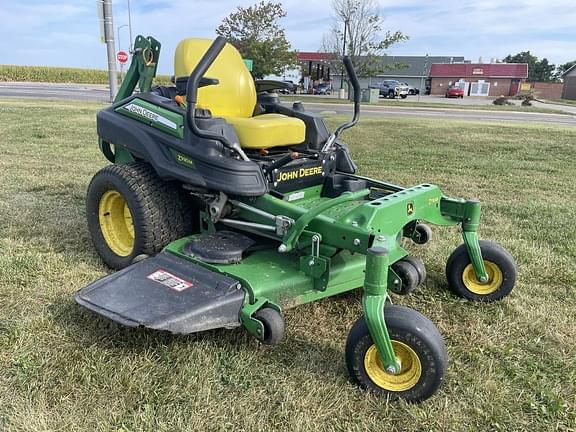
[
  {"x": 412, "y": 90},
  {"x": 391, "y": 89},
  {"x": 454, "y": 91},
  {"x": 322, "y": 89},
  {"x": 292, "y": 88}
]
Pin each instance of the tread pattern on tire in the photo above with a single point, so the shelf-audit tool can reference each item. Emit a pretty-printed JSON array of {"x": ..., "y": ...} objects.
[
  {"x": 416, "y": 329},
  {"x": 161, "y": 211}
]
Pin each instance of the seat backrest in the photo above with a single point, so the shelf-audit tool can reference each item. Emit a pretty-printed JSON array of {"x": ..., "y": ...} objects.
[{"x": 235, "y": 95}]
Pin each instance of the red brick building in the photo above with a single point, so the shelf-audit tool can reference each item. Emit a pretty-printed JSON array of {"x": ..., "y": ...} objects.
[{"x": 478, "y": 79}]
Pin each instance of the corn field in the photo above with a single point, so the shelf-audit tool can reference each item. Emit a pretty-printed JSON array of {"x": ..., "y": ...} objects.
[{"x": 59, "y": 75}]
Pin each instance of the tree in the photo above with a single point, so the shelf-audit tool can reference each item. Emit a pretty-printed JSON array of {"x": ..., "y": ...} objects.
[
  {"x": 538, "y": 70},
  {"x": 561, "y": 69},
  {"x": 366, "y": 42},
  {"x": 256, "y": 33}
]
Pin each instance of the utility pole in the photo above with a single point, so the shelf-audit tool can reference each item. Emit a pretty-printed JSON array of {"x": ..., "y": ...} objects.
[
  {"x": 130, "y": 47},
  {"x": 424, "y": 73},
  {"x": 120, "y": 49},
  {"x": 110, "y": 48}
]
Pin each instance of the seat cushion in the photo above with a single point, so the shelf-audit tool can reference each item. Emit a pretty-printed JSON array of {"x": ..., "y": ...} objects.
[{"x": 268, "y": 130}]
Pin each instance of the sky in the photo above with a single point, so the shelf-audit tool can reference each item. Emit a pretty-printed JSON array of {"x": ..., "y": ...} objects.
[{"x": 66, "y": 32}]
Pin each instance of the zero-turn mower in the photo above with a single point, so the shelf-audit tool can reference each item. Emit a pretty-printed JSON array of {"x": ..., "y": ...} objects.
[{"x": 223, "y": 207}]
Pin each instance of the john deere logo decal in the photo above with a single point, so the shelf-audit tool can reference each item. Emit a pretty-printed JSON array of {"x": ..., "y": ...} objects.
[
  {"x": 299, "y": 173},
  {"x": 410, "y": 208},
  {"x": 150, "y": 115}
]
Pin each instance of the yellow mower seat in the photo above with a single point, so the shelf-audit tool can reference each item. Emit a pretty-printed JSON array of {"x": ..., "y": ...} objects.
[
  {"x": 234, "y": 98},
  {"x": 268, "y": 130}
]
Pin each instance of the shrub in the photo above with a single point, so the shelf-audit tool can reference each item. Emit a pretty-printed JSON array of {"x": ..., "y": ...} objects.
[{"x": 502, "y": 100}]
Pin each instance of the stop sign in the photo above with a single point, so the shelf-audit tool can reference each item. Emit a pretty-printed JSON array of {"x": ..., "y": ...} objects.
[{"x": 122, "y": 57}]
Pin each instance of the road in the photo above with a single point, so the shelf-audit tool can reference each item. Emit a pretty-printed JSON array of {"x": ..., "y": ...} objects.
[
  {"x": 81, "y": 92},
  {"x": 99, "y": 93}
]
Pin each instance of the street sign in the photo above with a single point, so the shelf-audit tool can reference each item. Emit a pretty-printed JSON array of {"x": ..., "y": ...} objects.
[
  {"x": 122, "y": 57},
  {"x": 249, "y": 64},
  {"x": 100, "y": 10}
]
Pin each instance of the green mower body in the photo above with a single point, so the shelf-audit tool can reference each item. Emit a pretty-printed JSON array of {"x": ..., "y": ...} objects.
[{"x": 208, "y": 231}]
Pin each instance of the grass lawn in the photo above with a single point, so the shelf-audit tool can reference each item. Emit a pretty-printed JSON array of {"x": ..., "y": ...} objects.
[
  {"x": 396, "y": 103},
  {"x": 512, "y": 364},
  {"x": 569, "y": 102}
]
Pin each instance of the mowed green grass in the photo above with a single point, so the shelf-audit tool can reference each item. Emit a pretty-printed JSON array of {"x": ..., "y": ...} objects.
[
  {"x": 412, "y": 102},
  {"x": 512, "y": 364}
]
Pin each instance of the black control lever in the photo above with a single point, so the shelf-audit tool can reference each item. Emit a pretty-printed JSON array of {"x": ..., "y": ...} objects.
[
  {"x": 194, "y": 82},
  {"x": 356, "y": 86}
]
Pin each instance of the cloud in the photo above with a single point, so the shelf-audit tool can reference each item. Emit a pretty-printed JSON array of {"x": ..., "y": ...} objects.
[
  {"x": 488, "y": 28},
  {"x": 65, "y": 32}
]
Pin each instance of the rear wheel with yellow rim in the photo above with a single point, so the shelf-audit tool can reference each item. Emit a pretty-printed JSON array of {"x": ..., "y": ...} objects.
[
  {"x": 500, "y": 267},
  {"x": 419, "y": 349},
  {"x": 131, "y": 212}
]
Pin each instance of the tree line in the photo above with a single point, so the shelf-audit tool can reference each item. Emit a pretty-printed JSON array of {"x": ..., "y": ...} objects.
[{"x": 540, "y": 70}]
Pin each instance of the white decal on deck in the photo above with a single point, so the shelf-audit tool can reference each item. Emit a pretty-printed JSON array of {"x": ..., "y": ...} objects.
[
  {"x": 296, "y": 196},
  {"x": 169, "y": 280}
]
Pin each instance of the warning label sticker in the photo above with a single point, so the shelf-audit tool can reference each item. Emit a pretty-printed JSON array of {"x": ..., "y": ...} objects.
[{"x": 169, "y": 280}]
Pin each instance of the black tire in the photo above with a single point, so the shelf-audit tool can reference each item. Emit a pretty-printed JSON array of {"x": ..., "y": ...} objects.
[
  {"x": 160, "y": 212},
  {"x": 419, "y": 266},
  {"x": 423, "y": 234},
  {"x": 501, "y": 268},
  {"x": 403, "y": 96},
  {"x": 415, "y": 338},
  {"x": 391, "y": 94},
  {"x": 408, "y": 274},
  {"x": 274, "y": 326}
]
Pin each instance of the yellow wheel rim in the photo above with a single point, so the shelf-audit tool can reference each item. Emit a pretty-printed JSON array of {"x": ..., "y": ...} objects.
[
  {"x": 410, "y": 368},
  {"x": 116, "y": 223},
  {"x": 495, "y": 279}
]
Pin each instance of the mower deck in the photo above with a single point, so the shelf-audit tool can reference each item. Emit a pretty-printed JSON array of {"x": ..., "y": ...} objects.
[{"x": 166, "y": 293}]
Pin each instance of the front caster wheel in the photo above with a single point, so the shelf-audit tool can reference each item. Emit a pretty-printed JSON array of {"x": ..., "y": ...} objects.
[
  {"x": 500, "y": 266},
  {"x": 273, "y": 322},
  {"x": 418, "y": 346}
]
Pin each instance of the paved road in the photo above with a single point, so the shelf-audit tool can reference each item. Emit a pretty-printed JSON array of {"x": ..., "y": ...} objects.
[
  {"x": 82, "y": 92},
  {"x": 99, "y": 93}
]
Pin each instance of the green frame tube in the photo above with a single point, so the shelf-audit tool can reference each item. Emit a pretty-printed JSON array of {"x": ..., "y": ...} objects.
[{"x": 374, "y": 300}]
